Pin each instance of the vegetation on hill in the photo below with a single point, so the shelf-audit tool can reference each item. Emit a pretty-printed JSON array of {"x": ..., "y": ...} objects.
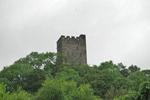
[{"x": 41, "y": 76}]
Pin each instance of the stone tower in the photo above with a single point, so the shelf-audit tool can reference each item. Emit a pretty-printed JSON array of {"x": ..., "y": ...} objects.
[{"x": 74, "y": 48}]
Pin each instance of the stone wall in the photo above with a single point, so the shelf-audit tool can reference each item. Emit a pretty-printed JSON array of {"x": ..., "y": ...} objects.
[{"x": 74, "y": 48}]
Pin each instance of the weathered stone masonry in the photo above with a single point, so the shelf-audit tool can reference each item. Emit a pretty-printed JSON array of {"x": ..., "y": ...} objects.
[{"x": 74, "y": 48}]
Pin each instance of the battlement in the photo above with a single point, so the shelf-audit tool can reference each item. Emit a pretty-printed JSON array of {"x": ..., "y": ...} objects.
[
  {"x": 72, "y": 39},
  {"x": 73, "y": 47}
]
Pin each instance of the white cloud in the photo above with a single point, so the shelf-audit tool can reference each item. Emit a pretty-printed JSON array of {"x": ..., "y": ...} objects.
[{"x": 115, "y": 29}]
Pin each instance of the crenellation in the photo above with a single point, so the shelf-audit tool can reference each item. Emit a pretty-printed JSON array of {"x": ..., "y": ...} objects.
[
  {"x": 62, "y": 36},
  {"x": 72, "y": 37},
  {"x": 68, "y": 37}
]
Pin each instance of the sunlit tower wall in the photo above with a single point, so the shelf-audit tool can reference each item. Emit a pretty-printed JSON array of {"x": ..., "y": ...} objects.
[{"x": 74, "y": 48}]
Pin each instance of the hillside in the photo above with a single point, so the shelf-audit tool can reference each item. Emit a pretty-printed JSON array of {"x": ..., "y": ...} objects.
[{"x": 41, "y": 76}]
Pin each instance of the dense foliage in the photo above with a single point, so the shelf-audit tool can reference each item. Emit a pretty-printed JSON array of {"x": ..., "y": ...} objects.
[{"x": 41, "y": 76}]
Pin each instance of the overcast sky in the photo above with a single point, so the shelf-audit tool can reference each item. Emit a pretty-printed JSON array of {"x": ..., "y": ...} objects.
[{"x": 117, "y": 30}]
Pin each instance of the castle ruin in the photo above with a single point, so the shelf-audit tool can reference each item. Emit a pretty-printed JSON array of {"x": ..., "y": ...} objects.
[{"x": 74, "y": 48}]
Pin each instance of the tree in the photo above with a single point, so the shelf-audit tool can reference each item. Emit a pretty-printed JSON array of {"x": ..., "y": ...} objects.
[
  {"x": 107, "y": 76},
  {"x": 82, "y": 70},
  {"x": 56, "y": 90},
  {"x": 107, "y": 81},
  {"x": 102, "y": 83},
  {"x": 146, "y": 72},
  {"x": 34, "y": 80},
  {"x": 19, "y": 95},
  {"x": 39, "y": 60},
  {"x": 108, "y": 65},
  {"x": 145, "y": 91},
  {"x": 133, "y": 68},
  {"x": 85, "y": 92},
  {"x": 68, "y": 75},
  {"x": 136, "y": 79},
  {"x": 123, "y": 70},
  {"x": 64, "y": 90},
  {"x": 15, "y": 75},
  {"x": 115, "y": 93},
  {"x": 2, "y": 89},
  {"x": 131, "y": 95}
]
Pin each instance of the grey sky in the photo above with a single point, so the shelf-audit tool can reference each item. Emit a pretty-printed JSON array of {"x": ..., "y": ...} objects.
[{"x": 117, "y": 30}]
